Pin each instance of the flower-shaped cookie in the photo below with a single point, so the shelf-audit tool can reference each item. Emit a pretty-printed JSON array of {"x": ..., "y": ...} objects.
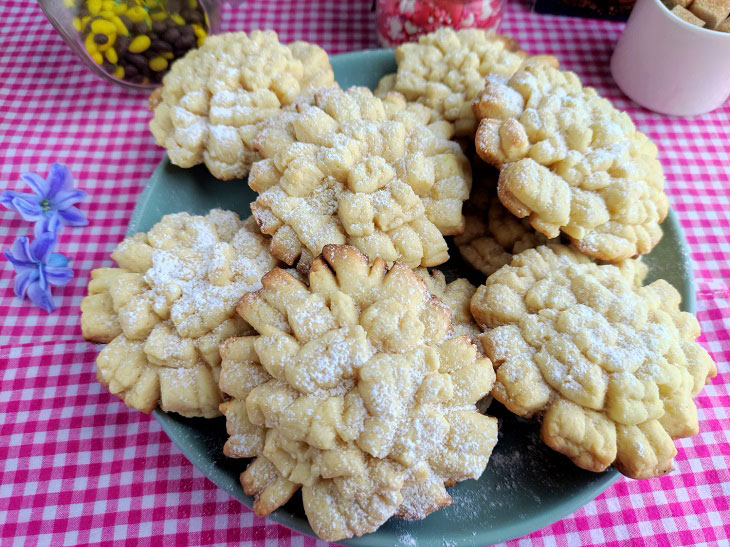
[
  {"x": 164, "y": 312},
  {"x": 214, "y": 99},
  {"x": 571, "y": 162},
  {"x": 457, "y": 296},
  {"x": 445, "y": 70},
  {"x": 610, "y": 366},
  {"x": 352, "y": 168},
  {"x": 356, "y": 390},
  {"x": 493, "y": 235}
]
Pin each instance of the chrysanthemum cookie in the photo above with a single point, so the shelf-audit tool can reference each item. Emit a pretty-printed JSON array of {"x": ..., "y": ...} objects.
[
  {"x": 352, "y": 168},
  {"x": 479, "y": 249},
  {"x": 355, "y": 390},
  {"x": 571, "y": 162},
  {"x": 213, "y": 99},
  {"x": 609, "y": 366},
  {"x": 492, "y": 236},
  {"x": 165, "y": 310},
  {"x": 445, "y": 70},
  {"x": 457, "y": 297}
]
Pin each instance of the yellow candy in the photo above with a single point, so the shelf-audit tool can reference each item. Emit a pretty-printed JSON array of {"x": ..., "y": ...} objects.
[
  {"x": 119, "y": 8},
  {"x": 179, "y": 20},
  {"x": 77, "y": 24},
  {"x": 139, "y": 44},
  {"x": 135, "y": 14},
  {"x": 94, "y": 6},
  {"x": 158, "y": 16},
  {"x": 158, "y": 64},
  {"x": 169, "y": 55},
  {"x": 198, "y": 30},
  {"x": 107, "y": 4},
  {"x": 85, "y": 21},
  {"x": 111, "y": 55},
  {"x": 201, "y": 41},
  {"x": 192, "y": 4},
  {"x": 118, "y": 73},
  {"x": 106, "y": 14},
  {"x": 119, "y": 24},
  {"x": 98, "y": 59},
  {"x": 100, "y": 26},
  {"x": 68, "y": 3},
  {"x": 90, "y": 45}
]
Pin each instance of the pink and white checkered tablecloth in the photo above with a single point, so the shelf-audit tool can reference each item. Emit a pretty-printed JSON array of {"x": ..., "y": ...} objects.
[{"x": 77, "y": 467}]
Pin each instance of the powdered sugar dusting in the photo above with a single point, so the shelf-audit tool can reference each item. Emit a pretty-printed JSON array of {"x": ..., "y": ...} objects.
[
  {"x": 360, "y": 413},
  {"x": 201, "y": 278}
]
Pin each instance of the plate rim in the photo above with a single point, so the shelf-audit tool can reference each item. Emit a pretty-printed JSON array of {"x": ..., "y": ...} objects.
[{"x": 477, "y": 537}]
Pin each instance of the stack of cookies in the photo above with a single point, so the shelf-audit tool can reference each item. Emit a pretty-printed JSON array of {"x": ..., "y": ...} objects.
[{"x": 343, "y": 366}]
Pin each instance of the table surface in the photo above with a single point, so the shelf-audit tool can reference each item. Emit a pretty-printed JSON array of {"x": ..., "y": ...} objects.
[{"x": 78, "y": 467}]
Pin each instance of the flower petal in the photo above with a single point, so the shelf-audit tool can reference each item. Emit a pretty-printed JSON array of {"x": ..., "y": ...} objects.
[
  {"x": 59, "y": 276},
  {"x": 22, "y": 280},
  {"x": 6, "y": 198},
  {"x": 71, "y": 216},
  {"x": 57, "y": 260},
  {"x": 59, "y": 178},
  {"x": 20, "y": 251},
  {"x": 36, "y": 182},
  {"x": 66, "y": 198},
  {"x": 42, "y": 246},
  {"x": 19, "y": 265},
  {"x": 41, "y": 297},
  {"x": 27, "y": 206},
  {"x": 42, "y": 282},
  {"x": 47, "y": 223}
]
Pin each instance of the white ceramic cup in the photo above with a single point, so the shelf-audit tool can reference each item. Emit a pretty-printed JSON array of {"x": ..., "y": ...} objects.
[{"x": 670, "y": 66}]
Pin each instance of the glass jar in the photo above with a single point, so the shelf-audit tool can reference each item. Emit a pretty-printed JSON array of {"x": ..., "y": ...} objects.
[
  {"x": 63, "y": 15},
  {"x": 401, "y": 21}
]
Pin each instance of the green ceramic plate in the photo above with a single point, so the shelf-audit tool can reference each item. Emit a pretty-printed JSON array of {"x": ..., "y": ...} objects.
[{"x": 525, "y": 487}]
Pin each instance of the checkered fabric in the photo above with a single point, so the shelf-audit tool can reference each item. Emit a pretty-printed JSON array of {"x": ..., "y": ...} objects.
[{"x": 77, "y": 467}]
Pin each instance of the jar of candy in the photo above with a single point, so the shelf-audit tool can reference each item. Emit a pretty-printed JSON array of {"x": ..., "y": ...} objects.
[
  {"x": 401, "y": 21},
  {"x": 132, "y": 42}
]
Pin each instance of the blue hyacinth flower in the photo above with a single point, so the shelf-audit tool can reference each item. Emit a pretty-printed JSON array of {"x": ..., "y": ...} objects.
[
  {"x": 53, "y": 202},
  {"x": 37, "y": 267}
]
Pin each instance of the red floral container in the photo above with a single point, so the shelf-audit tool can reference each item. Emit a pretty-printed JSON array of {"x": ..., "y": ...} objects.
[{"x": 401, "y": 21}]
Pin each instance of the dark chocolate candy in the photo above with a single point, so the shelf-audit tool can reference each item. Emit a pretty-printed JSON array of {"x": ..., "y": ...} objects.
[{"x": 161, "y": 46}]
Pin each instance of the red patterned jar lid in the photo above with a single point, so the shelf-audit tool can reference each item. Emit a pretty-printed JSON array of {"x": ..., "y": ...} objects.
[{"x": 401, "y": 21}]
